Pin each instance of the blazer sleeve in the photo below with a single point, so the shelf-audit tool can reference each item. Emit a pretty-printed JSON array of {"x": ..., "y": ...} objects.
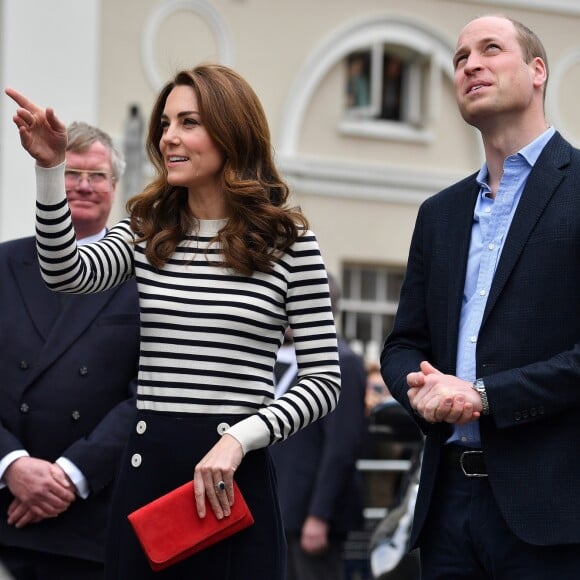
[
  {"x": 344, "y": 430},
  {"x": 409, "y": 342}
]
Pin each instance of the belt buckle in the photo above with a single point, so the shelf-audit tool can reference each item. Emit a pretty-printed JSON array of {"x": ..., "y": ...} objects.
[{"x": 461, "y": 458}]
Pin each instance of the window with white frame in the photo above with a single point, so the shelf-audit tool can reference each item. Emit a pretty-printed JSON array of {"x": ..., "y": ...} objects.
[
  {"x": 370, "y": 296},
  {"x": 386, "y": 82}
]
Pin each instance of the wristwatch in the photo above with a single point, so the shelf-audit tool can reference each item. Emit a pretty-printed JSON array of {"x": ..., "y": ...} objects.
[{"x": 479, "y": 386}]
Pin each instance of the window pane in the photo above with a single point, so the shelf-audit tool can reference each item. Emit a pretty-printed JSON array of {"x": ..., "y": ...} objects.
[
  {"x": 363, "y": 327},
  {"x": 388, "y": 321},
  {"x": 369, "y": 285},
  {"x": 394, "y": 283},
  {"x": 346, "y": 283},
  {"x": 349, "y": 325}
]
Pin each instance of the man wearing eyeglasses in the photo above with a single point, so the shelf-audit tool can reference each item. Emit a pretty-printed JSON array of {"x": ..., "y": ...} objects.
[{"x": 67, "y": 387}]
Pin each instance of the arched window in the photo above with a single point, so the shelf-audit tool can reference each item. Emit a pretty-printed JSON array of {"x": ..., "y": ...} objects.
[{"x": 393, "y": 70}]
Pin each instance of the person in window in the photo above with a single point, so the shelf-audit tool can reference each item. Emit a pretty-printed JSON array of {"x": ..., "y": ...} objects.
[
  {"x": 485, "y": 351},
  {"x": 223, "y": 266},
  {"x": 358, "y": 82},
  {"x": 392, "y": 87}
]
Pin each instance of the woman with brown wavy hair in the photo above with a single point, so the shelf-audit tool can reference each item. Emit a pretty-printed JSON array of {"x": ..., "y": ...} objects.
[
  {"x": 223, "y": 266},
  {"x": 250, "y": 189}
]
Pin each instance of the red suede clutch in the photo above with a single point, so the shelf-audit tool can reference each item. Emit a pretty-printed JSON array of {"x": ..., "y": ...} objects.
[{"x": 170, "y": 530}]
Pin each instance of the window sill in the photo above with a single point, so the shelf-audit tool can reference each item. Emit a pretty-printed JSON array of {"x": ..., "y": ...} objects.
[{"x": 387, "y": 130}]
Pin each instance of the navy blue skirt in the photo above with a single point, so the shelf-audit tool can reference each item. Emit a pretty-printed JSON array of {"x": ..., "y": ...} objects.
[{"x": 161, "y": 454}]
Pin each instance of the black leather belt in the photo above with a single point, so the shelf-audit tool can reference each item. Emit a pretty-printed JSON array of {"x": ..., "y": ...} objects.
[{"x": 470, "y": 461}]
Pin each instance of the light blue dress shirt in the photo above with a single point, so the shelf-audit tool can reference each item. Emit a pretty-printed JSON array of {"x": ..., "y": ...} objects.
[{"x": 491, "y": 222}]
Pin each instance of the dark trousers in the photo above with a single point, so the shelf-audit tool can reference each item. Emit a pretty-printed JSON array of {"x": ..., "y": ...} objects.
[
  {"x": 328, "y": 565},
  {"x": 466, "y": 538},
  {"x": 25, "y": 564}
]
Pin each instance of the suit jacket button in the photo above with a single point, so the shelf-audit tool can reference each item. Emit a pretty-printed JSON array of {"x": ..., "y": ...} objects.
[
  {"x": 525, "y": 414},
  {"x": 141, "y": 427},
  {"x": 136, "y": 460},
  {"x": 533, "y": 411},
  {"x": 517, "y": 416},
  {"x": 24, "y": 365},
  {"x": 83, "y": 371},
  {"x": 24, "y": 408},
  {"x": 75, "y": 415}
]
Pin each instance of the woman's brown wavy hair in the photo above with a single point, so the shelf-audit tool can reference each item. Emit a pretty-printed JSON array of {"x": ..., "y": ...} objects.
[{"x": 261, "y": 225}]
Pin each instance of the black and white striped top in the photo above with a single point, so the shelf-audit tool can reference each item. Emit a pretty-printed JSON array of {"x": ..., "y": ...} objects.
[{"x": 209, "y": 336}]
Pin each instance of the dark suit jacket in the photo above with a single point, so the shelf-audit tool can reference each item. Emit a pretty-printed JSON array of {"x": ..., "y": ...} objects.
[
  {"x": 316, "y": 468},
  {"x": 527, "y": 349},
  {"x": 67, "y": 387}
]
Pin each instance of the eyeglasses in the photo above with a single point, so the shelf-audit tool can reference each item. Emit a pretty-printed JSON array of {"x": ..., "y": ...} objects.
[{"x": 99, "y": 181}]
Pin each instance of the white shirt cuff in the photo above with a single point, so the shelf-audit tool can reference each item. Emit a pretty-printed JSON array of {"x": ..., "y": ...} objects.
[
  {"x": 7, "y": 460},
  {"x": 76, "y": 476},
  {"x": 252, "y": 433},
  {"x": 50, "y": 187}
]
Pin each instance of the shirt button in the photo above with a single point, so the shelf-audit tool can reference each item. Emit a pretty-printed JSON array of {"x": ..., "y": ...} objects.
[
  {"x": 222, "y": 428},
  {"x": 75, "y": 415},
  {"x": 482, "y": 292},
  {"x": 24, "y": 408},
  {"x": 24, "y": 365},
  {"x": 136, "y": 460},
  {"x": 487, "y": 210},
  {"x": 83, "y": 371},
  {"x": 491, "y": 246},
  {"x": 141, "y": 427},
  {"x": 473, "y": 338}
]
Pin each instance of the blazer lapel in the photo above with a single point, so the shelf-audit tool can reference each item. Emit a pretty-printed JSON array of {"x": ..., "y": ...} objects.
[
  {"x": 542, "y": 183},
  {"x": 41, "y": 303},
  {"x": 76, "y": 315}
]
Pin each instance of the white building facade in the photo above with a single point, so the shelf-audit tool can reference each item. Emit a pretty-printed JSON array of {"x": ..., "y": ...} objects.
[{"x": 358, "y": 164}]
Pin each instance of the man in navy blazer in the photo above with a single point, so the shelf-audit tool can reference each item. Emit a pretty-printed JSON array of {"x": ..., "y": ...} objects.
[
  {"x": 68, "y": 369},
  {"x": 319, "y": 488},
  {"x": 485, "y": 349}
]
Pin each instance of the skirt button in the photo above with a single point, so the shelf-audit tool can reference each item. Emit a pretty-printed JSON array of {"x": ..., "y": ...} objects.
[{"x": 222, "y": 428}]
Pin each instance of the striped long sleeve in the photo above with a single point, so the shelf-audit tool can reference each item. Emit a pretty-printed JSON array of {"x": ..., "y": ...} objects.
[{"x": 209, "y": 335}]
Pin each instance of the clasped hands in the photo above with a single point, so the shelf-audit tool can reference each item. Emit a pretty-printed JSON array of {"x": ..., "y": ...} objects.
[
  {"x": 41, "y": 490},
  {"x": 442, "y": 398}
]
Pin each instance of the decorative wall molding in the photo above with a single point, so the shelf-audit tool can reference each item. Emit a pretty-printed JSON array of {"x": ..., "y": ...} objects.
[
  {"x": 557, "y": 75},
  {"x": 359, "y": 181},
  {"x": 548, "y": 6},
  {"x": 157, "y": 17}
]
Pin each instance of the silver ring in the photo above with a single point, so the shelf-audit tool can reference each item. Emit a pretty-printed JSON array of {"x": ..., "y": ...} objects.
[{"x": 220, "y": 485}]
